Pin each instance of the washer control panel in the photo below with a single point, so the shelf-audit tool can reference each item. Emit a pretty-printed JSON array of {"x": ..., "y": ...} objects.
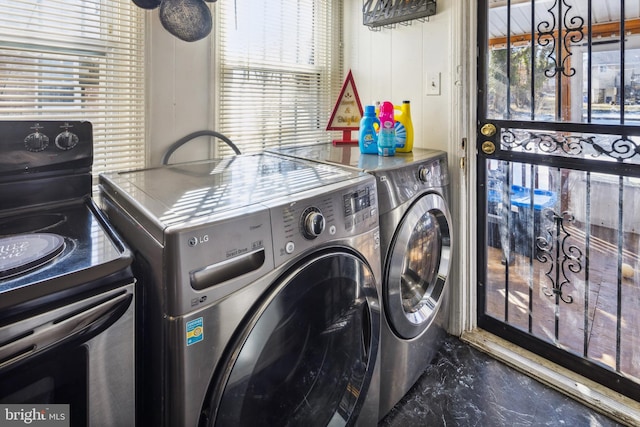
[
  {"x": 359, "y": 205},
  {"x": 33, "y": 146},
  {"x": 401, "y": 185},
  {"x": 341, "y": 214}
]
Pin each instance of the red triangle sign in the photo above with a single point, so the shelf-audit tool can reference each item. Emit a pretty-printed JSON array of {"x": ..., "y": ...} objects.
[{"x": 347, "y": 112}]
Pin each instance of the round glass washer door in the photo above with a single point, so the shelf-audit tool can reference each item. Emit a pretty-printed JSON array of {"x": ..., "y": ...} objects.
[
  {"x": 418, "y": 265},
  {"x": 307, "y": 354}
]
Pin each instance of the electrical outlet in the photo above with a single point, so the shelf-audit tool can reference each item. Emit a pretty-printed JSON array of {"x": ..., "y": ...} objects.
[{"x": 433, "y": 83}]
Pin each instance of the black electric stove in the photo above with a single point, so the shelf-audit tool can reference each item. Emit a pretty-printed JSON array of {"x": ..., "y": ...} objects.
[
  {"x": 55, "y": 244},
  {"x": 67, "y": 297}
]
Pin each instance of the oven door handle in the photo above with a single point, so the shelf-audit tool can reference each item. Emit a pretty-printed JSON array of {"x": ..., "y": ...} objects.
[{"x": 35, "y": 335}]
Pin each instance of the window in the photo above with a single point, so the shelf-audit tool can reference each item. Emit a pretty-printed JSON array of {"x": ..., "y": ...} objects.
[
  {"x": 77, "y": 60},
  {"x": 280, "y": 70},
  {"x": 605, "y": 82}
]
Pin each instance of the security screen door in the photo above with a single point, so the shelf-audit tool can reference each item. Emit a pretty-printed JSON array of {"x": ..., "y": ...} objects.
[{"x": 559, "y": 182}]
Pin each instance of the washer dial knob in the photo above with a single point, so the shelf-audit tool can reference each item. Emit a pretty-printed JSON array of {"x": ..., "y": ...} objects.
[
  {"x": 312, "y": 223},
  {"x": 424, "y": 174}
]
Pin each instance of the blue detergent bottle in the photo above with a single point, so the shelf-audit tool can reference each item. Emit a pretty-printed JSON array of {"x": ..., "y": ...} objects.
[{"x": 368, "y": 140}]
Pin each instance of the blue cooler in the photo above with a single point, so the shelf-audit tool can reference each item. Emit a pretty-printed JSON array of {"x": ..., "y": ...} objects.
[{"x": 528, "y": 226}]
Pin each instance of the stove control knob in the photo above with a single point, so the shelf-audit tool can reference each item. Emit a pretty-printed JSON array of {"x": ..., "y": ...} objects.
[
  {"x": 424, "y": 174},
  {"x": 312, "y": 223},
  {"x": 66, "y": 140},
  {"x": 36, "y": 141}
]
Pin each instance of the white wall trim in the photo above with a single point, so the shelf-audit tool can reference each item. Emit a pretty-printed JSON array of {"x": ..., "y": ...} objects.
[
  {"x": 472, "y": 223},
  {"x": 464, "y": 204}
]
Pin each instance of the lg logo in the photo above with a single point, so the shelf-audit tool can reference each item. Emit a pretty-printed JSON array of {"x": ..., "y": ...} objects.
[{"x": 194, "y": 241}]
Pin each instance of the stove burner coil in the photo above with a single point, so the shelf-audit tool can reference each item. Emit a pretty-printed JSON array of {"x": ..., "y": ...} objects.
[{"x": 23, "y": 252}]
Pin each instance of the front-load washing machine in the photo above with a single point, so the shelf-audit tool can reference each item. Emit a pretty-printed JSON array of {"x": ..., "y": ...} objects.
[
  {"x": 416, "y": 245},
  {"x": 260, "y": 284}
]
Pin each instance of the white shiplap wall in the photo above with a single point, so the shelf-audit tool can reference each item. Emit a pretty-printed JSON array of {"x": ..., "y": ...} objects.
[
  {"x": 387, "y": 65},
  {"x": 181, "y": 81},
  {"x": 392, "y": 65}
]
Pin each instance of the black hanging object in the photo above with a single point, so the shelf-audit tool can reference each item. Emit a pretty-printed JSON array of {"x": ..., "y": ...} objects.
[
  {"x": 189, "y": 20},
  {"x": 147, "y": 4}
]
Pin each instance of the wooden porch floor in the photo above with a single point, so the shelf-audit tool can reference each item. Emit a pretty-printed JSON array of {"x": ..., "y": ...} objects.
[{"x": 593, "y": 289}]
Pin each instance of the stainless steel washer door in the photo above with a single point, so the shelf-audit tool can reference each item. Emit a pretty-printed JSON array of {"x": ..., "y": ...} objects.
[
  {"x": 417, "y": 267},
  {"x": 307, "y": 354}
]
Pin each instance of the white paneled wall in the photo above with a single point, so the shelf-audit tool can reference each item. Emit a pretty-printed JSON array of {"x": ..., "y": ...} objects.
[
  {"x": 392, "y": 64},
  {"x": 180, "y": 84}
]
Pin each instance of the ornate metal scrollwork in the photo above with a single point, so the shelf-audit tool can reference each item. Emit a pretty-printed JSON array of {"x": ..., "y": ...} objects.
[
  {"x": 554, "y": 248},
  {"x": 570, "y": 30},
  {"x": 620, "y": 148},
  {"x": 547, "y": 143}
]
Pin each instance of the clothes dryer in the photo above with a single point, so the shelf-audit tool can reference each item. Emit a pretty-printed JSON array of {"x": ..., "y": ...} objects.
[
  {"x": 416, "y": 245},
  {"x": 260, "y": 286}
]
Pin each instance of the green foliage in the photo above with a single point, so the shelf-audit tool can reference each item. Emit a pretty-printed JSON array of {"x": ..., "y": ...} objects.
[{"x": 518, "y": 101}]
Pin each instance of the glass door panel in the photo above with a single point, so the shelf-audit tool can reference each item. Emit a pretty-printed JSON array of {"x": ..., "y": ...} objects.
[{"x": 563, "y": 269}]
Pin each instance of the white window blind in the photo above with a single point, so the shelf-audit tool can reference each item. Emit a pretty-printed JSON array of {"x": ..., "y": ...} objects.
[
  {"x": 77, "y": 60},
  {"x": 280, "y": 71}
]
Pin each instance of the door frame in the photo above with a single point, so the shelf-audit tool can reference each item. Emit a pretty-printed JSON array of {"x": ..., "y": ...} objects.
[{"x": 462, "y": 167}]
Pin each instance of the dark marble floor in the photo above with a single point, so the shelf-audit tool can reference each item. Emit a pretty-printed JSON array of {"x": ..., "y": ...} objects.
[{"x": 465, "y": 387}]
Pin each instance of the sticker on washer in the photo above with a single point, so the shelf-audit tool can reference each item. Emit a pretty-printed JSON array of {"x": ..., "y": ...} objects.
[{"x": 195, "y": 331}]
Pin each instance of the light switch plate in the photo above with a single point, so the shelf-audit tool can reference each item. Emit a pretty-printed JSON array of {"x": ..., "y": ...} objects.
[{"x": 433, "y": 83}]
